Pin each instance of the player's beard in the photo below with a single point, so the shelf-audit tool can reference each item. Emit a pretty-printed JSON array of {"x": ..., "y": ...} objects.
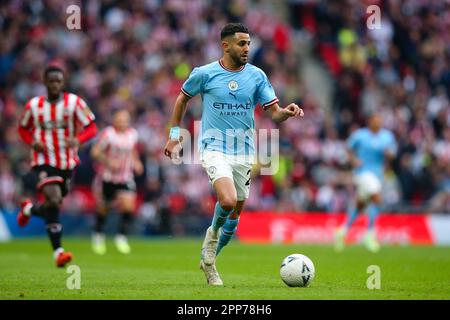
[{"x": 238, "y": 60}]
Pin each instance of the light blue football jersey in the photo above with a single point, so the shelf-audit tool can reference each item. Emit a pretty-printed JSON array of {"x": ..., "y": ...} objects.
[
  {"x": 229, "y": 99},
  {"x": 369, "y": 148}
]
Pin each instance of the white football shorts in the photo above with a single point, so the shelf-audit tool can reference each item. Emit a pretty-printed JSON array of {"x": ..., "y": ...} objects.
[
  {"x": 236, "y": 167},
  {"x": 367, "y": 184}
]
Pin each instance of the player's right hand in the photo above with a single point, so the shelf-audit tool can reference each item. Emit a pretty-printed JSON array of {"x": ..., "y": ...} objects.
[
  {"x": 173, "y": 148},
  {"x": 293, "y": 110},
  {"x": 38, "y": 146}
]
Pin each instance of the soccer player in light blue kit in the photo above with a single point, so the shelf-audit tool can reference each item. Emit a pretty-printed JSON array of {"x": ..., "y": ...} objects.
[
  {"x": 230, "y": 89},
  {"x": 369, "y": 148}
]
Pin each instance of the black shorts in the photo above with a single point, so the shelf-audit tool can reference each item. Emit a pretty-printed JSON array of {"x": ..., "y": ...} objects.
[
  {"x": 110, "y": 190},
  {"x": 47, "y": 175}
]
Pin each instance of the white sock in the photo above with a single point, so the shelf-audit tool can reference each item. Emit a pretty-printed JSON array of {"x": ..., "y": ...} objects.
[
  {"x": 215, "y": 233},
  {"x": 27, "y": 209},
  {"x": 99, "y": 236},
  {"x": 57, "y": 252},
  {"x": 121, "y": 237}
]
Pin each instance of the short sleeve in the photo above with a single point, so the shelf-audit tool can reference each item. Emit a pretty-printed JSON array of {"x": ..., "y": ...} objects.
[
  {"x": 352, "y": 141},
  {"x": 83, "y": 113},
  {"x": 265, "y": 93},
  {"x": 194, "y": 84}
]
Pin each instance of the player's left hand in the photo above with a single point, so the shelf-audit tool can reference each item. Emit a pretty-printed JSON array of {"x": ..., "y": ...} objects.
[
  {"x": 174, "y": 149},
  {"x": 72, "y": 142},
  {"x": 293, "y": 110}
]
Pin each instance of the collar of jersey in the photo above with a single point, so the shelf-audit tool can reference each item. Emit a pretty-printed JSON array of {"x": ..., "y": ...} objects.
[
  {"x": 223, "y": 66},
  {"x": 61, "y": 97}
]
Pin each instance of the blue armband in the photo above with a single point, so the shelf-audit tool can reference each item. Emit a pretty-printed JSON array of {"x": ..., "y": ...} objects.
[{"x": 174, "y": 133}]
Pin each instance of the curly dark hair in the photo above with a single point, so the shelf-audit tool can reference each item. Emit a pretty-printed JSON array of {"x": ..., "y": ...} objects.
[{"x": 231, "y": 28}]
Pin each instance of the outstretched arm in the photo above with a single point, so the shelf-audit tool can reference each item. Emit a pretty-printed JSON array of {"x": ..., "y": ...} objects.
[
  {"x": 173, "y": 145},
  {"x": 279, "y": 114},
  {"x": 179, "y": 110}
]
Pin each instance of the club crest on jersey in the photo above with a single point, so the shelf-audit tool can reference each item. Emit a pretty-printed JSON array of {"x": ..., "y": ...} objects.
[
  {"x": 212, "y": 170},
  {"x": 233, "y": 85}
]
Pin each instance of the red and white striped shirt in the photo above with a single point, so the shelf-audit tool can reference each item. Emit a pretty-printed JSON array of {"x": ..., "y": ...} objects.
[
  {"x": 52, "y": 124},
  {"x": 119, "y": 146}
]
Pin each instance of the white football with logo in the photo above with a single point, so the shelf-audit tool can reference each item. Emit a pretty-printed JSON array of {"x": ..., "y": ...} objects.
[{"x": 297, "y": 270}]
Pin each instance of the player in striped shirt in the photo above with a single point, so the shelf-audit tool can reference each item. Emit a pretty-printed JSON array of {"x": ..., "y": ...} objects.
[
  {"x": 54, "y": 126},
  {"x": 116, "y": 152}
]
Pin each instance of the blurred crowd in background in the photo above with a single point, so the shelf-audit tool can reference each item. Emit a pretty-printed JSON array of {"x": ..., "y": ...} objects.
[
  {"x": 137, "y": 54},
  {"x": 400, "y": 70}
]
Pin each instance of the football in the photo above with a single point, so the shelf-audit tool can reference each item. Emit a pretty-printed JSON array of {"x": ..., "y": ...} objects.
[{"x": 297, "y": 270}]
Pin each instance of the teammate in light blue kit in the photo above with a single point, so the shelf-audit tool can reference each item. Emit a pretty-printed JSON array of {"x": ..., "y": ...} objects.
[
  {"x": 369, "y": 148},
  {"x": 230, "y": 89}
]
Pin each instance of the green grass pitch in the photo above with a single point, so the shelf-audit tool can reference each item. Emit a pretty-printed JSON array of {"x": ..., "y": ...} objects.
[{"x": 169, "y": 269}]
